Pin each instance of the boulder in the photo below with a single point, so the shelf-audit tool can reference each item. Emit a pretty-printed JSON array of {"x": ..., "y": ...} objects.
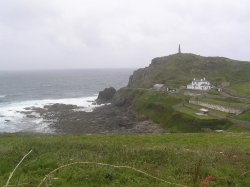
[{"x": 106, "y": 95}]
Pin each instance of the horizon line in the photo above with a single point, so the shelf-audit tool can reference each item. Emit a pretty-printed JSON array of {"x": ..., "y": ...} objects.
[{"x": 66, "y": 69}]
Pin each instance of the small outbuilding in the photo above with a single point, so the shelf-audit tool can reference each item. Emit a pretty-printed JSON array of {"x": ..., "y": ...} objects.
[
  {"x": 219, "y": 89},
  {"x": 203, "y": 111},
  {"x": 172, "y": 90}
]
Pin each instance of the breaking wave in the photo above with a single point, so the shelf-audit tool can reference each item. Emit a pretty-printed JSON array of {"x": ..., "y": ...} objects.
[{"x": 13, "y": 120}]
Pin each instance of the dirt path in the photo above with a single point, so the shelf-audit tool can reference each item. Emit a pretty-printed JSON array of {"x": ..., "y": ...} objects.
[{"x": 243, "y": 99}]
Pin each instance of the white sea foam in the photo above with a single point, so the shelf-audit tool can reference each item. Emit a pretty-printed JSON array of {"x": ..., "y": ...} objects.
[{"x": 12, "y": 120}]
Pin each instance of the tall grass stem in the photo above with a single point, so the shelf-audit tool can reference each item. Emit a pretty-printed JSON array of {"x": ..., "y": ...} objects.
[{"x": 11, "y": 174}]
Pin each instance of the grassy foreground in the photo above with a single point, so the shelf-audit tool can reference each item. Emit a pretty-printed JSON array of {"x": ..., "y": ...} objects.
[{"x": 178, "y": 158}]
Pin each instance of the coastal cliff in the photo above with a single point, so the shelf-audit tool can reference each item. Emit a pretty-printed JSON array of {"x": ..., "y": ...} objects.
[{"x": 179, "y": 69}]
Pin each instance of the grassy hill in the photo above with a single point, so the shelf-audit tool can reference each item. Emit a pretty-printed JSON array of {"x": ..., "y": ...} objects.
[
  {"x": 177, "y": 158},
  {"x": 169, "y": 111},
  {"x": 179, "y": 69}
]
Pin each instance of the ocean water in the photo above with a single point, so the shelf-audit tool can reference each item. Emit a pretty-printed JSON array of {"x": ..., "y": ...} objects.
[{"x": 21, "y": 90}]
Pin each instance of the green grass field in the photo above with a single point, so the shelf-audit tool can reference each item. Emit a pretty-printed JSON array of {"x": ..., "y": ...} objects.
[
  {"x": 242, "y": 89},
  {"x": 192, "y": 112},
  {"x": 177, "y": 158},
  {"x": 245, "y": 116}
]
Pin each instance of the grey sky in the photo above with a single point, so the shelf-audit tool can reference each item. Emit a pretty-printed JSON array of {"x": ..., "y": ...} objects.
[{"x": 55, "y": 34}]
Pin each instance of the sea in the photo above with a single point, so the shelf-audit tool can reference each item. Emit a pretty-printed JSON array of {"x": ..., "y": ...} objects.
[{"x": 21, "y": 90}]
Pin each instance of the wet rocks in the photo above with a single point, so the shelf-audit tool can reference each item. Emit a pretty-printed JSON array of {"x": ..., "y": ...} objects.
[
  {"x": 105, "y": 119},
  {"x": 59, "y": 107},
  {"x": 106, "y": 95}
]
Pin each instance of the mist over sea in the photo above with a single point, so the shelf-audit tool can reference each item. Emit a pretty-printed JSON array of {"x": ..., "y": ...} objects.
[{"x": 25, "y": 89}]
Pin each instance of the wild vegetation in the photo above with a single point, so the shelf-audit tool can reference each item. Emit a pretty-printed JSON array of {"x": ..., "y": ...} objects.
[{"x": 185, "y": 159}]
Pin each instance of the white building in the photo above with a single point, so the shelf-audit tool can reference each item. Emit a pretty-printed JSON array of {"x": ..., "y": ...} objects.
[{"x": 201, "y": 84}]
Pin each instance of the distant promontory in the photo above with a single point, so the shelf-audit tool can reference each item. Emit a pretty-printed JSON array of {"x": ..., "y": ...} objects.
[{"x": 179, "y": 69}]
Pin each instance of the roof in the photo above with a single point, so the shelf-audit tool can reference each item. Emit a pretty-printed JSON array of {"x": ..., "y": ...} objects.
[
  {"x": 204, "y": 84},
  {"x": 203, "y": 110},
  {"x": 158, "y": 85},
  {"x": 201, "y": 81}
]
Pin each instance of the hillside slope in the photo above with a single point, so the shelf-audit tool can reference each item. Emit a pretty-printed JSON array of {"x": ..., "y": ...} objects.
[
  {"x": 170, "y": 111},
  {"x": 179, "y": 69}
]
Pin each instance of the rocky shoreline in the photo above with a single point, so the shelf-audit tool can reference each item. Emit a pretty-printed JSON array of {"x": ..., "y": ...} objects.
[
  {"x": 104, "y": 119},
  {"x": 110, "y": 116}
]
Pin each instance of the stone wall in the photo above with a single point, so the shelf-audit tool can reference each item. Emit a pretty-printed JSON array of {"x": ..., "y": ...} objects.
[{"x": 216, "y": 107}]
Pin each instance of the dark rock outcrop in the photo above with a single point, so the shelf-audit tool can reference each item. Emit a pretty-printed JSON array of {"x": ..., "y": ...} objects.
[
  {"x": 106, "y": 119},
  {"x": 106, "y": 95}
]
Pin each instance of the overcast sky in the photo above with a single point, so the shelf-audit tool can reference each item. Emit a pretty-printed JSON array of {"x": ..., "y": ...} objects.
[{"x": 62, "y": 34}]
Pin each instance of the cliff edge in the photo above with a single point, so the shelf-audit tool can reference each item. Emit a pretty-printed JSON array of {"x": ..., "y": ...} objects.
[{"x": 179, "y": 69}]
